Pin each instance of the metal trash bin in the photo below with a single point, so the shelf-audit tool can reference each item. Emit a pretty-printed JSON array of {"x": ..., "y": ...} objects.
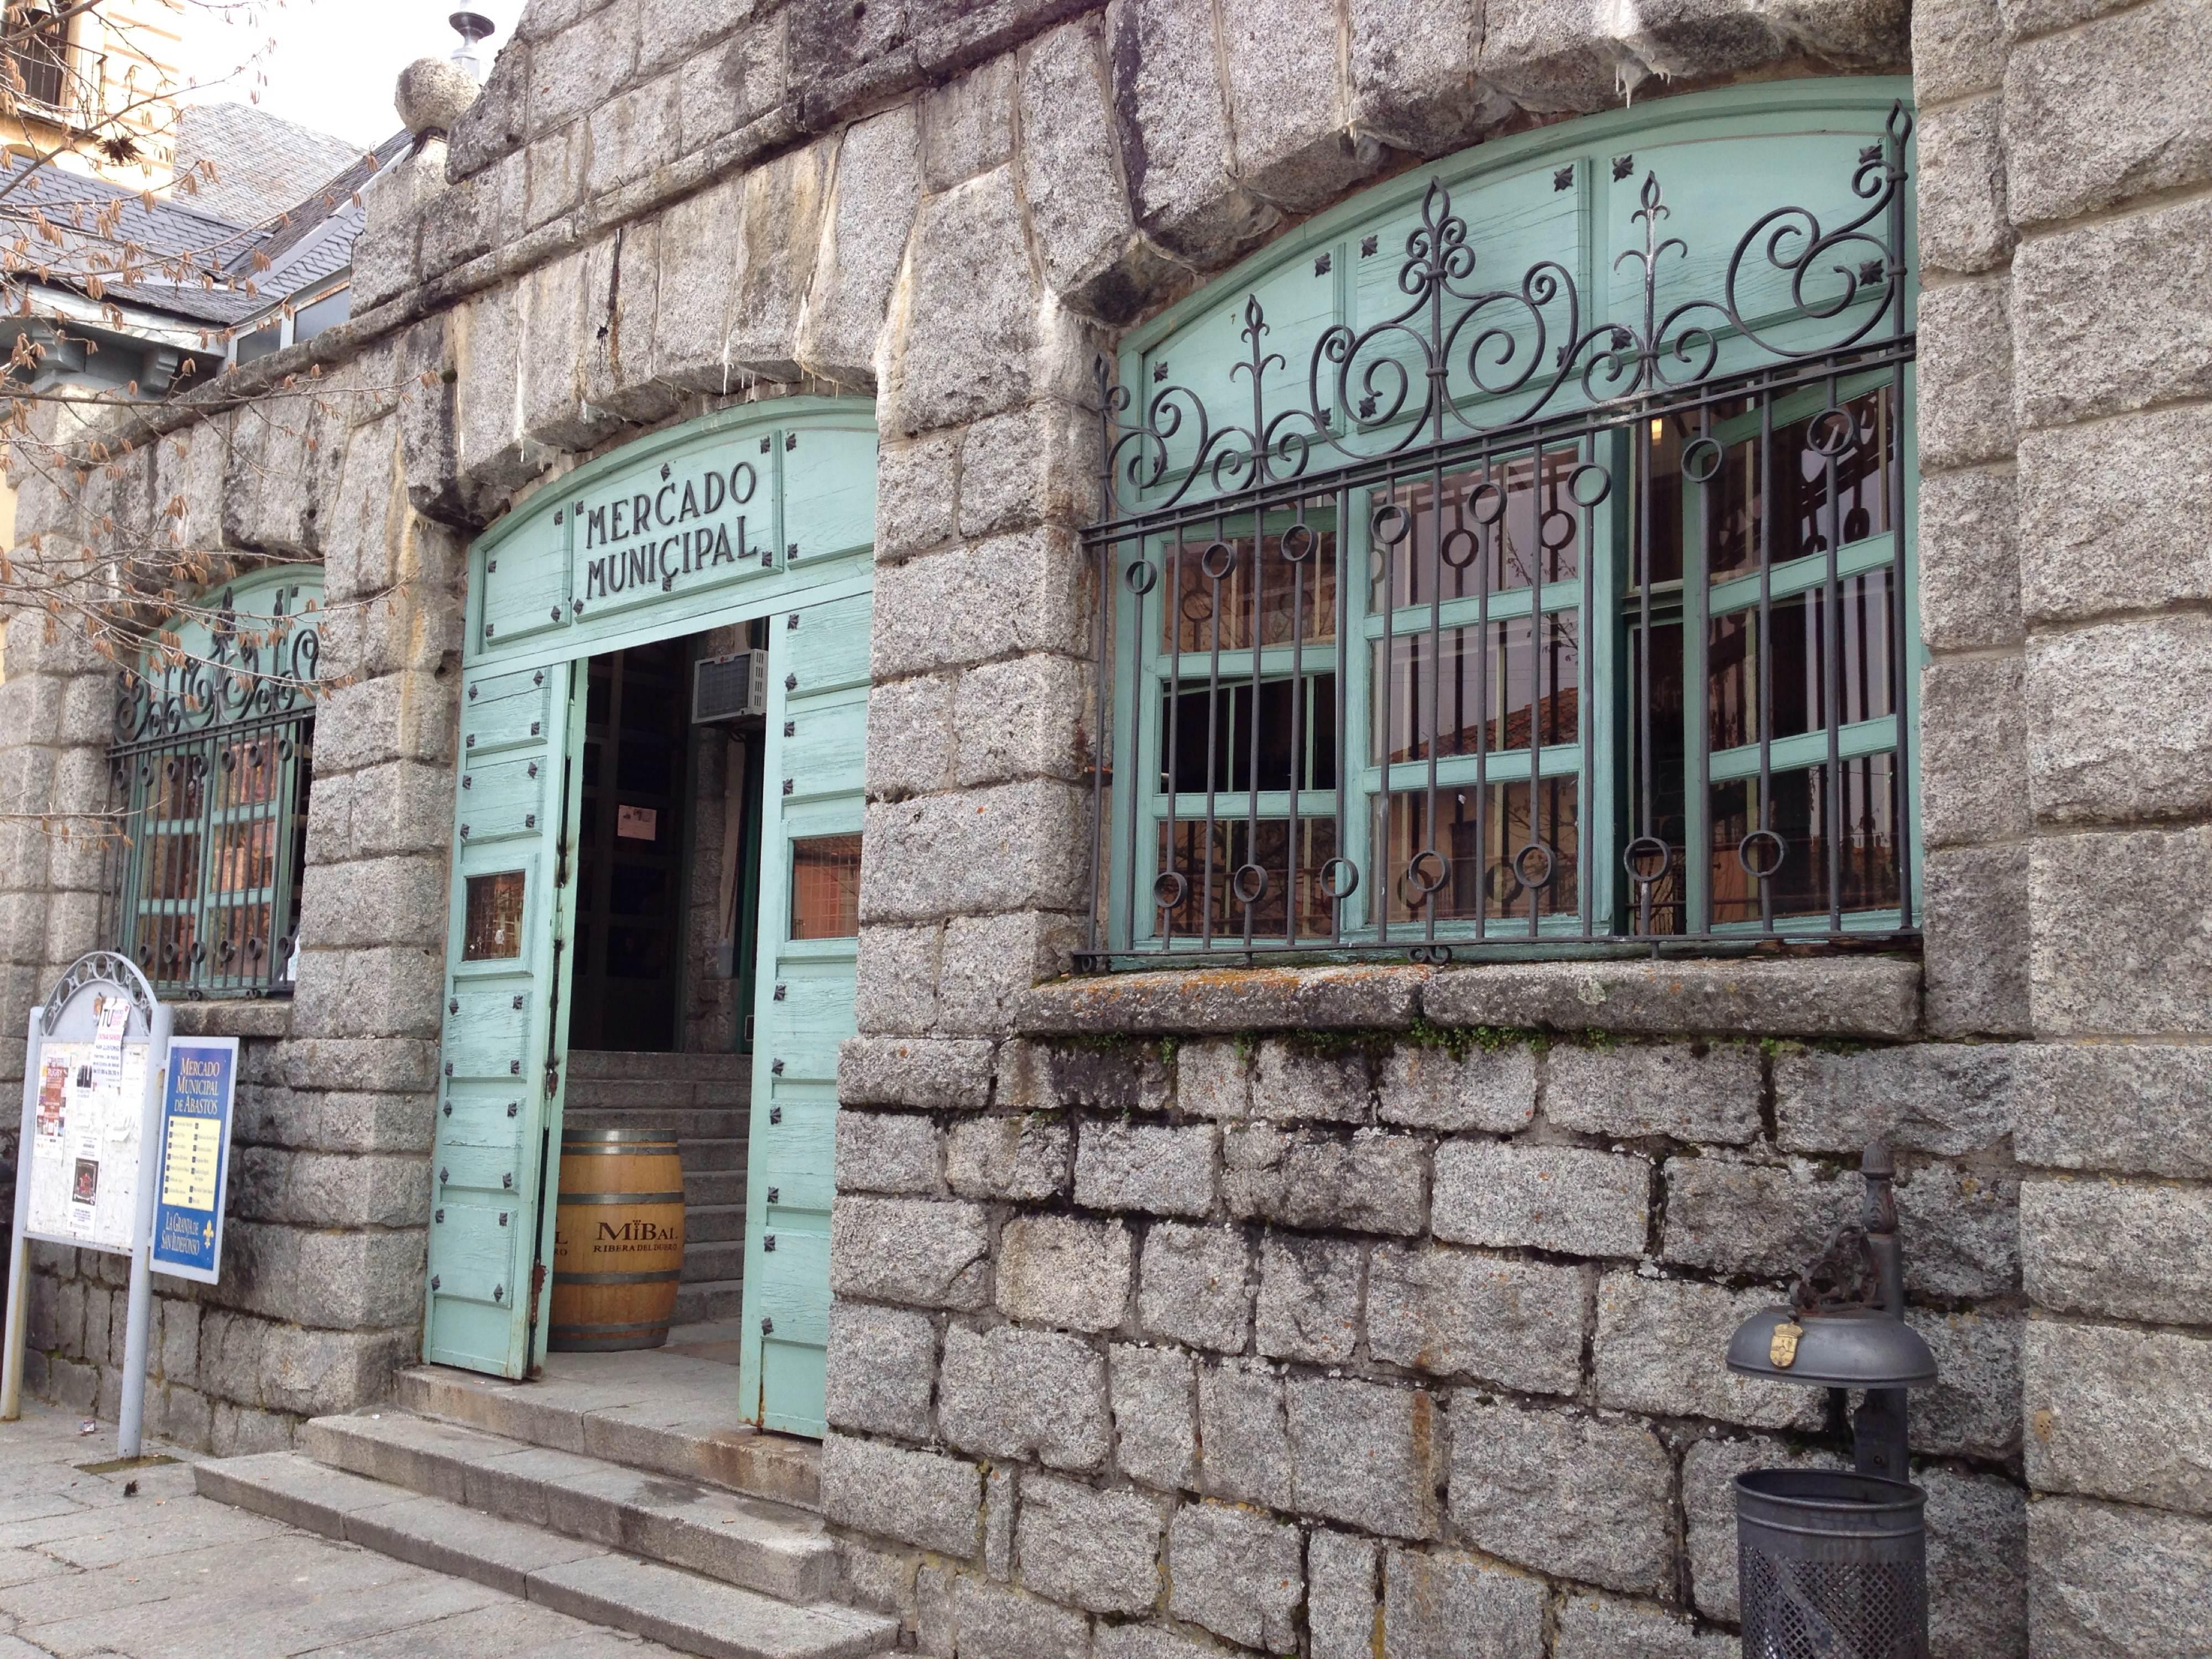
[{"x": 1831, "y": 1564}]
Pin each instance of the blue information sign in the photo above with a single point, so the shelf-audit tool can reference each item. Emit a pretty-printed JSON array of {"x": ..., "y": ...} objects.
[{"x": 195, "y": 1170}]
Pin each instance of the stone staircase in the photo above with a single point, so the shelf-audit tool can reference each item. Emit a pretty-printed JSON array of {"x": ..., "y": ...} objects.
[
  {"x": 706, "y": 1099},
  {"x": 611, "y": 1490}
]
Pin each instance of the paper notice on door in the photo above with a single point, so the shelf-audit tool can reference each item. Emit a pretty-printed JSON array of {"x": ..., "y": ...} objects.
[{"x": 637, "y": 823}]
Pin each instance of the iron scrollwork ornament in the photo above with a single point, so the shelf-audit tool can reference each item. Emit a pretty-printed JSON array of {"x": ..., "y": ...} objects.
[
  {"x": 256, "y": 667},
  {"x": 1521, "y": 351}
]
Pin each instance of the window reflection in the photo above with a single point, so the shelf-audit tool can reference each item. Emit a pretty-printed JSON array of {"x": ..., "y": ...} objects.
[
  {"x": 1490, "y": 530},
  {"x": 1487, "y": 855},
  {"x": 1209, "y": 864},
  {"x": 1491, "y": 691},
  {"x": 1295, "y": 599},
  {"x": 1731, "y": 505},
  {"x": 1798, "y": 641},
  {"x": 1866, "y": 844}
]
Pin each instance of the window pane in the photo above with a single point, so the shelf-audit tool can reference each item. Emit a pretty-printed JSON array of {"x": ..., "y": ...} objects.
[
  {"x": 249, "y": 772},
  {"x": 1484, "y": 852},
  {"x": 1797, "y": 632},
  {"x": 244, "y": 857},
  {"x": 260, "y": 343},
  {"x": 326, "y": 312},
  {"x": 1799, "y": 818},
  {"x": 1732, "y": 505},
  {"x": 1484, "y": 531},
  {"x": 172, "y": 868},
  {"x": 1210, "y": 884},
  {"x": 1296, "y": 598},
  {"x": 825, "y": 887},
  {"x": 492, "y": 930},
  {"x": 240, "y": 936},
  {"x": 165, "y": 946},
  {"x": 1490, "y": 683},
  {"x": 1186, "y": 737}
]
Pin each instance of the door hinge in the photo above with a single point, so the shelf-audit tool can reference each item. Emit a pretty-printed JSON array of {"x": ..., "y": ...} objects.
[
  {"x": 560, "y": 861},
  {"x": 552, "y": 1079},
  {"x": 536, "y": 1284}
]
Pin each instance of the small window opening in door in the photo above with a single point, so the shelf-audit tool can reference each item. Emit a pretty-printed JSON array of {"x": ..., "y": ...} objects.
[
  {"x": 493, "y": 928},
  {"x": 825, "y": 887}
]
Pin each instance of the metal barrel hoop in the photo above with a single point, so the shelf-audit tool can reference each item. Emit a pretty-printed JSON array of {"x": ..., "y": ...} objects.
[
  {"x": 1298, "y": 544},
  {"x": 1391, "y": 524},
  {"x": 1142, "y": 577},
  {"x": 1218, "y": 559},
  {"x": 1339, "y": 878}
]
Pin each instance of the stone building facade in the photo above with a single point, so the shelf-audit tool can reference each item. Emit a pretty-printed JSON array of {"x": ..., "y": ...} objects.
[{"x": 1334, "y": 1309}]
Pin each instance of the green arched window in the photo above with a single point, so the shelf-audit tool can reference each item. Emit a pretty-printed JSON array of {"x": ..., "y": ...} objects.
[
  {"x": 213, "y": 735},
  {"x": 1521, "y": 555}
]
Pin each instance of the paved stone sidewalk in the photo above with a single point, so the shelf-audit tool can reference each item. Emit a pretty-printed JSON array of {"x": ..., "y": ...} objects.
[{"x": 86, "y": 1572}]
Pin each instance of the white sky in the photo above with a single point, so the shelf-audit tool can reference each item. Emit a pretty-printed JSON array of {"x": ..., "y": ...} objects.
[{"x": 334, "y": 61}]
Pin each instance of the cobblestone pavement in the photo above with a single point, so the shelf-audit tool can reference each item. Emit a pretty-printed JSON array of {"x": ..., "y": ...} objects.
[{"x": 91, "y": 1571}]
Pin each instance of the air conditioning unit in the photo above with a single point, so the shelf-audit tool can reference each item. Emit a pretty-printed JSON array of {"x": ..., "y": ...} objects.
[{"x": 729, "y": 687}]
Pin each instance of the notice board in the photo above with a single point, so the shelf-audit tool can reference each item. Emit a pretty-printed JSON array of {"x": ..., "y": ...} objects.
[{"x": 84, "y": 1153}]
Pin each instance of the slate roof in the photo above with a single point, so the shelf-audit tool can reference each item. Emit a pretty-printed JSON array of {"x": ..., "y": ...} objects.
[
  {"x": 167, "y": 230},
  {"x": 264, "y": 164},
  {"x": 303, "y": 244}
]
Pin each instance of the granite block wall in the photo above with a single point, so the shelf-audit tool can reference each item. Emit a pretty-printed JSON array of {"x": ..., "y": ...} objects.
[{"x": 1242, "y": 1310}]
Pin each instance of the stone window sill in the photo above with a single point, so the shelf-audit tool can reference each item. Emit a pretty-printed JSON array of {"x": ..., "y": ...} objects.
[
  {"x": 255, "y": 1017},
  {"x": 1869, "y": 998}
]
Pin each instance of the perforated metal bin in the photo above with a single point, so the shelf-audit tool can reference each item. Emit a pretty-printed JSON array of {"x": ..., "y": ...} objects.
[{"x": 1831, "y": 1564}]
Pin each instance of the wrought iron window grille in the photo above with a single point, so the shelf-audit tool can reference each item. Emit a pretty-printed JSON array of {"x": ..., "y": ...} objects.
[
  {"x": 209, "y": 772},
  {"x": 1629, "y": 669}
]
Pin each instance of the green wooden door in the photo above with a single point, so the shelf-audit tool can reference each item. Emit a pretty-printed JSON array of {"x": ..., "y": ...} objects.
[
  {"x": 499, "y": 1091},
  {"x": 809, "y": 923}
]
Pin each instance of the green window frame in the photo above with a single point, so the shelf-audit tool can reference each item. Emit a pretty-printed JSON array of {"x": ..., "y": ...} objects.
[
  {"x": 1394, "y": 514},
  {"x": 209, "y": 773}
]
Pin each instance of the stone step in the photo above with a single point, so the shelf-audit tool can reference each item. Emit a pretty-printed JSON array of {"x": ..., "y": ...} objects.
[
  {"x": 736, "y": 1538},
  {"x": 711, "y": 1156},
  {"x": 578, "y": 1577},
  {"x": 705, "y": 1223},
  {"x": 705, "y": 1187},
  {"x": 670, "y": 1413},
  {"x": 714, "y": 1258},
  {"x": 702, "y": 1301},
  {"x": 619, "y": 1065},
  {"x": 687, "y": 1121}
]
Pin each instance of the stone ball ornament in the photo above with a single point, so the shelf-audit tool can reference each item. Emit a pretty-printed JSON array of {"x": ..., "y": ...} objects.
[{"x": 432, "y": 94}]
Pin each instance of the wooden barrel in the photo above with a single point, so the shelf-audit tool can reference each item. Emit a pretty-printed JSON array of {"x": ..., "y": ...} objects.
[{"x": 617, "y": 1240}]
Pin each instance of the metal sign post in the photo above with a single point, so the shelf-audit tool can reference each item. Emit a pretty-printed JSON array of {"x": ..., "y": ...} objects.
[
  {"x": 19, "y": 1255},
  {"x": 86, "y": 1174}
]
